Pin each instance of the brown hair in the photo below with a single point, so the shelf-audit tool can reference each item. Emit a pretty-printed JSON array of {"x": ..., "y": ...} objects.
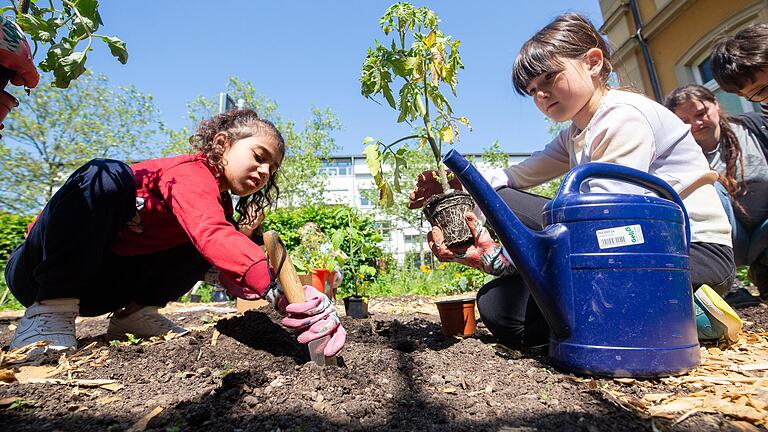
[
  {"x": 737, "y": 59},
  {"x": 568, "y": 36},
  {"x": 731, "y": 149},
  {"x": 239, "y": 124}
]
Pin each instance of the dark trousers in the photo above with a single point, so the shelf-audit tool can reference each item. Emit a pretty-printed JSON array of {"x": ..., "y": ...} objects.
[
  {"x": 509, "y": 311},
  {"x": 67, "y": 254}
]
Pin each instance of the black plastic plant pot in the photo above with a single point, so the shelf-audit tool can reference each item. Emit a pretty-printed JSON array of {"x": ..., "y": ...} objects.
[
  {"x": 356, "y": 306},
  {"x": 194, "y": 298},
  {"x": 446, "y": 211}
]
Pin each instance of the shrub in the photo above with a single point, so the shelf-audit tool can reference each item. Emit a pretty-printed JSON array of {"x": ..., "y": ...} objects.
[{"x": 13, "y": 228}]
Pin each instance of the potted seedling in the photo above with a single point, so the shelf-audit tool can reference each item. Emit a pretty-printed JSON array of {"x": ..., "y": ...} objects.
[
  {"x": 355, "y": 305},
  {"x": 424, "y": 62},
  {"x": 317, "y": 256}
]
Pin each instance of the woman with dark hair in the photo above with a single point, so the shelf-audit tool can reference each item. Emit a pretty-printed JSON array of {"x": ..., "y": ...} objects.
[{"x": 737, "y": 149}]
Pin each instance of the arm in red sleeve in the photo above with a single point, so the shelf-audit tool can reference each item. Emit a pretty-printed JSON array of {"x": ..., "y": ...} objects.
[{"x": 192, "y": 193}]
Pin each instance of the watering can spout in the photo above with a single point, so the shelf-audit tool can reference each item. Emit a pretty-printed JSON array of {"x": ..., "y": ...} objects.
[{"x": 534, "y": 253}]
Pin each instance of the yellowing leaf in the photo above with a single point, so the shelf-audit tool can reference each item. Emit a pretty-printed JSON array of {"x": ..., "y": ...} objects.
[
  {"x": 430, "y": 39},
  {"x": 446, "y": 134},
  {"x": 423, "y": 143}
]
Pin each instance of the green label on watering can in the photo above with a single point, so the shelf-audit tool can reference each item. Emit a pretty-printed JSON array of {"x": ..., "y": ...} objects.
[{"x": 620, "y": 236}]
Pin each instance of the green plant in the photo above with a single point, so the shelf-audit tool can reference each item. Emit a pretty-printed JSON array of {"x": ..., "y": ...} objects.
[
  {"x": 78, "y": 20},
  {"x": 13, "y": 228},
  {"x": 329, "y": 219},
  {"x": 428, "y": 65},
  {"x": 316, "y": 250}
]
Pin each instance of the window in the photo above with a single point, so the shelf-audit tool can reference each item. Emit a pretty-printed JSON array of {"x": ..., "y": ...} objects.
[
  {"x": 337, "y": 167},
  {"x": 365, "y": 194}
]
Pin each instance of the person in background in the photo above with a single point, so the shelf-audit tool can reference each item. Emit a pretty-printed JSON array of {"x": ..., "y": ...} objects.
[
  {"x": 740, "y": 64},
  {"x": 126, "y": 239},
  {"x": 736, "y": 149}
]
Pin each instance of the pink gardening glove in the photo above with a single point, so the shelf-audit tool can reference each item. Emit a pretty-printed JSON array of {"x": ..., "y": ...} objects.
[
  {"x": 483, "y": 254},
  {"x": 315, "y": 318},
  {"x": 15, "y": 54}
]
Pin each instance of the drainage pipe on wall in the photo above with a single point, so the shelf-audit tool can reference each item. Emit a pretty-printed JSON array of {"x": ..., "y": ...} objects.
[{"x": 646, "y": 52}]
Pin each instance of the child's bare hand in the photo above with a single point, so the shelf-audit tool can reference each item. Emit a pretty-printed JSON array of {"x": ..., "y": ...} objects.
[{"x": 428, "y": 184}]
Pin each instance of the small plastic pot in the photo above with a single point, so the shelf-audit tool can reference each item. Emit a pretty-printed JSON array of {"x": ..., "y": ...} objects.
[
  {"x": 457, "y": 317},
  {"x": 194, "y": 298},
  {"x": 356, "y": 306},
  {"x": 446, "y": 211}
]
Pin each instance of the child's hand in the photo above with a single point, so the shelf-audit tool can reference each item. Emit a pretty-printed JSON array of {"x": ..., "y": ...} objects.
[
  {"x": 428, "y": 184},
  {"x": 484, "y": 254},
  {"x": 315, "y": 318},
  {"x": 253, "y": 226}
]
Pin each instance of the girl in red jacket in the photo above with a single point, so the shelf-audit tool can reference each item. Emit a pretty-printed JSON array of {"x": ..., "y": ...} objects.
[{"x": 129, "y": 239}]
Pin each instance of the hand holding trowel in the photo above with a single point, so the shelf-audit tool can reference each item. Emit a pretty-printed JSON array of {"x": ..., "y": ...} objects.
[{"x": 309, "y": 311}]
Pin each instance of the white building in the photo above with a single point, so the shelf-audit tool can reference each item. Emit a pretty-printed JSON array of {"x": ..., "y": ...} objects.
[{"x": 348, "y": 179}]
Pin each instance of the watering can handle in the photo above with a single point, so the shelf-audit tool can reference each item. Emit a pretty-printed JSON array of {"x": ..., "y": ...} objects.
[{"x": 573, "y": 180}]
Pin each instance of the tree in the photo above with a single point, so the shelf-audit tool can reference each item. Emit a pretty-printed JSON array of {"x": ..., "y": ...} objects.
[
  {"x": 300, "y": 181},
  {"x": 80, "y": 20},
  {"x": 54, "y": 131}
]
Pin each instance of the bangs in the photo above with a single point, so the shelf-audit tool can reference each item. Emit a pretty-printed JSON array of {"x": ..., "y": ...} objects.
[{"x": 535, "y": 58}]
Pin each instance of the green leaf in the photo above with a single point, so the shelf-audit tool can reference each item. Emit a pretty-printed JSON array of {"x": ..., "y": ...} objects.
[
  {"x": 117, "y": 48},
  {"x": 90, "y": 9},
  {"x": 40, "y": 30},
  {"x": 69, "y": 68},
  {"x": 55, "y": 53},
  {"x": 373, "y": 157}
]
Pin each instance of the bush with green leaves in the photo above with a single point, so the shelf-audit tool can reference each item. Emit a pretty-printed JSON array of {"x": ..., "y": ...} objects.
[
  {"x": 427, "y": 280},
  {"x": 13, "y": 228},
  {"x": 351, "y": 231}
]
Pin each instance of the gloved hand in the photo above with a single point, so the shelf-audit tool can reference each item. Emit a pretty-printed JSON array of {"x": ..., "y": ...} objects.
[
  {"x": 483, "y": 254},
  {"x": 315, "y": 318},
  {"x": 428, "y": 184},
  {"x": 16, "y": 56}
]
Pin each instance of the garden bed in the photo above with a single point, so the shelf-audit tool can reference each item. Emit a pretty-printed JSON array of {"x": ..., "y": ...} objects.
[{"x": 245, "y": 372}]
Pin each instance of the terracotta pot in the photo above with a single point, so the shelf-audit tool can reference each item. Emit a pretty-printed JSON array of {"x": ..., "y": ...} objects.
[
  {"x": 356, "y": 306},
  {"x": 7, "y": 103},
  {"x": 446, "y": 211},
  {"x": 321, "y": 280},
  {"x": 457, "y": 317}
]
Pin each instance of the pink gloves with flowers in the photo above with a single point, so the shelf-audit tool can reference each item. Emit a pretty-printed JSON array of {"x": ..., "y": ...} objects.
[
  {"x": 316, "y": 318},
  {"x": 15, "y": 54},
  {"x": 484, "y": 254}
]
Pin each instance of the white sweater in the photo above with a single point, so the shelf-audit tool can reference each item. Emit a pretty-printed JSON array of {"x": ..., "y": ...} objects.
[{"x": 631, "y": 130}]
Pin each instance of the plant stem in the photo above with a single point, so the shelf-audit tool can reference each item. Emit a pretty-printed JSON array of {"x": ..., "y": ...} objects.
[{"x": 432, "y": 144}]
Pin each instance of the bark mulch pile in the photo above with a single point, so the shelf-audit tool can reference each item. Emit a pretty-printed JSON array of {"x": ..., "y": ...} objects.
[{"x": 244, "y": 372}]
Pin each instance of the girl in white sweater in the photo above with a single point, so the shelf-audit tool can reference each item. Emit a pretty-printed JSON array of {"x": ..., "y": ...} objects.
[{"x": 565, "y": 68}]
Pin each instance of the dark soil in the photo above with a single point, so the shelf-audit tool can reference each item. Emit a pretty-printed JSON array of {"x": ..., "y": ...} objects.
[{"x": 398, "y": 373}]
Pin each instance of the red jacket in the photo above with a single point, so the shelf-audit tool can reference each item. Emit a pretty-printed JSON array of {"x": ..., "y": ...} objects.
[{"x": 178, "y": 199}]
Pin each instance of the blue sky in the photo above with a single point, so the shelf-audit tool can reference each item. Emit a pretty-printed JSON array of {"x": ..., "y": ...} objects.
[{"x": 309, "y": 53}]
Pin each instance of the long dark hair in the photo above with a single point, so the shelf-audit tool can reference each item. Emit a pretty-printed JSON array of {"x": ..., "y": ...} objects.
[
  {"x": 568, "y": 36},
  {"x": 729, "y": 144},
  {"x": 239, "y": 124}
]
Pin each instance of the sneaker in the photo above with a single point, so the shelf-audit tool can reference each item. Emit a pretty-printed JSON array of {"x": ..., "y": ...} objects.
[
  {"x": 48, "y": 320},
  {"x": 714, "y": 318},
  {"x": 739, "y": 297},
  {"x": 144, "y": 323}
]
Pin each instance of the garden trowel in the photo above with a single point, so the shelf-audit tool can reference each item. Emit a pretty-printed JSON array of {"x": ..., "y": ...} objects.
[{"x": 294, "y": 291}]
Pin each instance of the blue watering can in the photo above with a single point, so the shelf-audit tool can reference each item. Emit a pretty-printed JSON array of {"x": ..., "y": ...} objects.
[{"x": 609, "y": 271}]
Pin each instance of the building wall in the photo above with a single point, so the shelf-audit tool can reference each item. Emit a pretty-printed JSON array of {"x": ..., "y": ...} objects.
[{"x": 679, "y": 34}]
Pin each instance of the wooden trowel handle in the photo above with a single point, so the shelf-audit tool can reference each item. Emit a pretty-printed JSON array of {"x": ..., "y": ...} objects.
[{"x": 287, "y": 276}]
